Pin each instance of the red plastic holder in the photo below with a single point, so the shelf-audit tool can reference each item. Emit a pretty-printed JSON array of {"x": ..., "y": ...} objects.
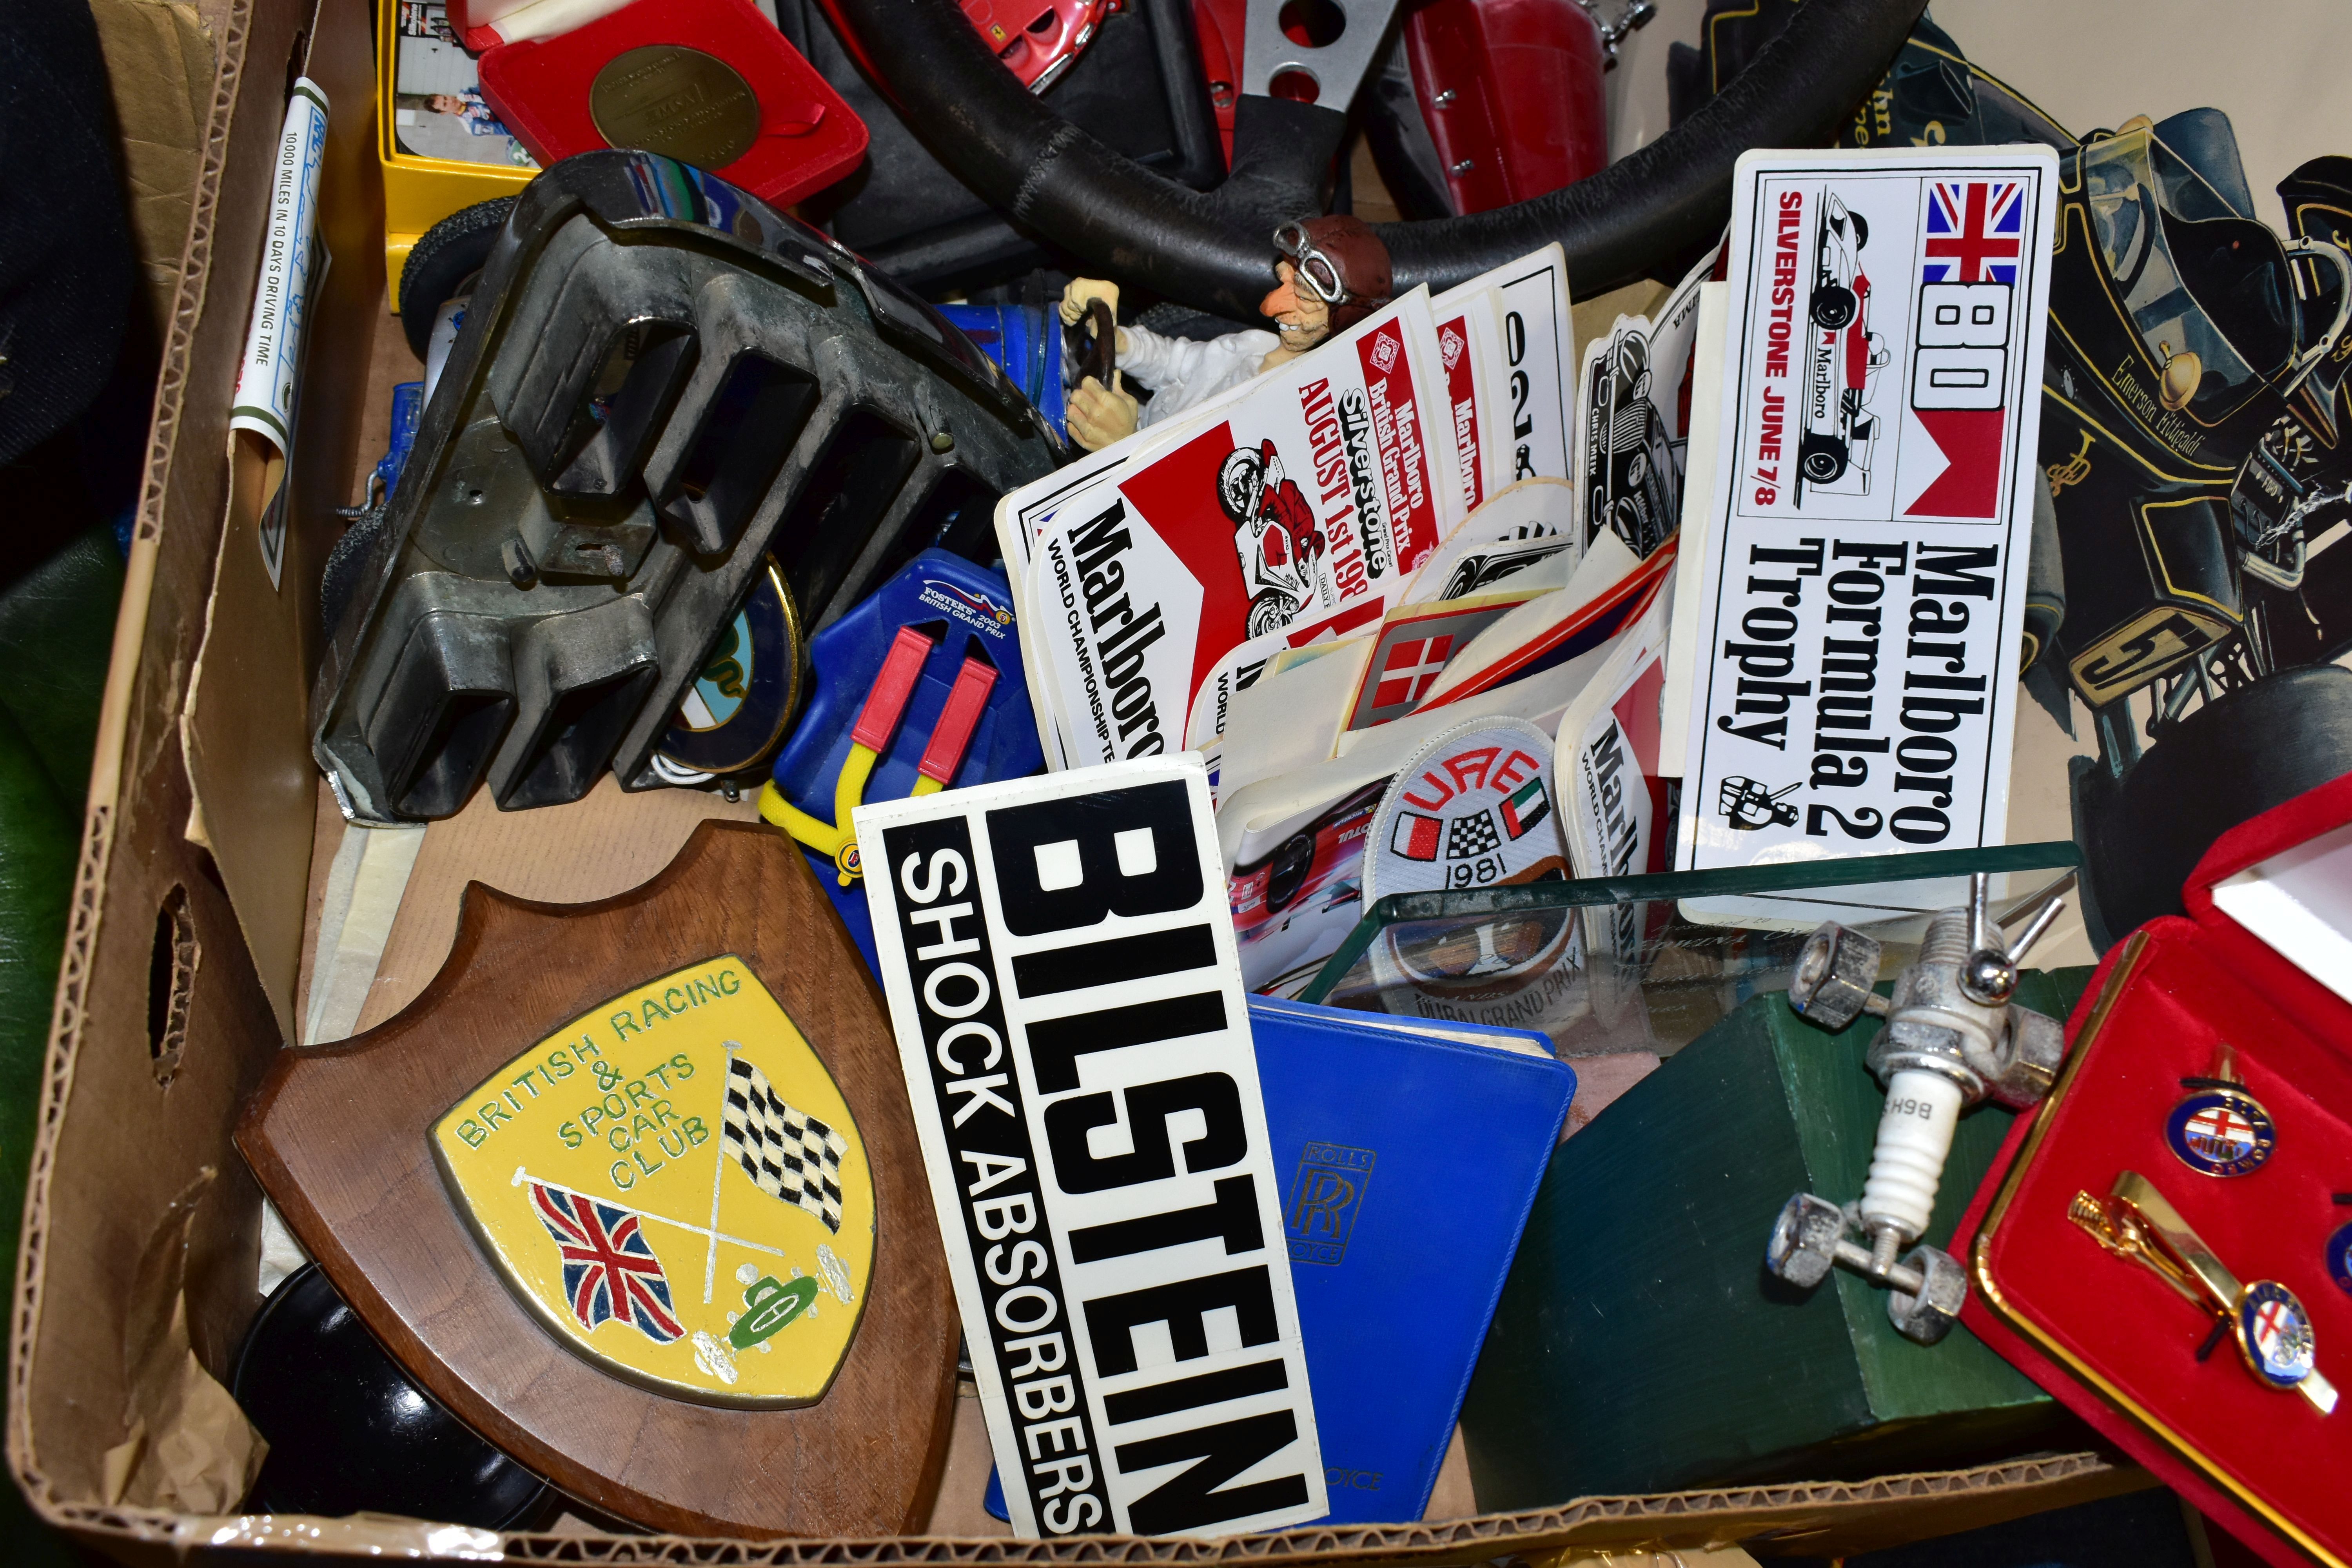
[
  {"x": 2107, "y": 1335},
  {"x": 805, "y": 137}
]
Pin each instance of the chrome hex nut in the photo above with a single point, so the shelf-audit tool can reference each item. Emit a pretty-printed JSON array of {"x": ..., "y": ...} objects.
[
  {"x": 1834, "y": 972},
  {"x": 2036, "y": 1049},
  {"x": 1805, "y": 1240},
  {"x": 1928, "y": 1315}
]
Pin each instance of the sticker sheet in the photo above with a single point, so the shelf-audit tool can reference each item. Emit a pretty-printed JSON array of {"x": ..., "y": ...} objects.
[
  {"x": 1297, "y": 512},
  {"x": 1865, "y": 586},
  {"x": 1502, "y": 342},
  {"x": 1533, "y": 330},
  {"x": 1060, "y": 967},
  {"x": 1633, "y": 419}
]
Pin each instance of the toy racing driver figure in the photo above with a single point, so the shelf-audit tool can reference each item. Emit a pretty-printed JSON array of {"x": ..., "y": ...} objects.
[{"x": 1333, "y": 273}]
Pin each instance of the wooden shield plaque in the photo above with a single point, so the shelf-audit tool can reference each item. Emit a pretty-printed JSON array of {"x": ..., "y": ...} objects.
[{"x": 633, "y": 1188}]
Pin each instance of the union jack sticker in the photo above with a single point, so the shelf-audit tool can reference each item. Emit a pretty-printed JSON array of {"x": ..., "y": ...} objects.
[{"x": 2221, "y": 1133}]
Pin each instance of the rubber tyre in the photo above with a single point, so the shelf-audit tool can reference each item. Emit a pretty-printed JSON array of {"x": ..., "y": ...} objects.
[
  {"x": 445, "y": 256},
  {"x": 1822, "y": 461},
  {"x": 2257, "y": 747},
  {"x": 1291, "y": 862},
  {"x": 1832, "y": 308}
]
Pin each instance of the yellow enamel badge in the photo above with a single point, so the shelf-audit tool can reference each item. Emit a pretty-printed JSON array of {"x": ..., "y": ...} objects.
[{"x": 674, "y": 1184}]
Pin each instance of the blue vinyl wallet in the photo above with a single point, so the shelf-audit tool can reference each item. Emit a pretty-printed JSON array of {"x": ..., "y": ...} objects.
[{"x": 1411, "y": 1151}]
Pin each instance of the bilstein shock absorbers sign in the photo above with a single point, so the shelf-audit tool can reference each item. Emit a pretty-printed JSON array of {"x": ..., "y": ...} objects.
[{"x": 1060, "y": 966}]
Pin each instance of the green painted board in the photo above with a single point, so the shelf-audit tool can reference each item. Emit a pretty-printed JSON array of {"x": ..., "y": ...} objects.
[{"x": 1640, "y": 1346}]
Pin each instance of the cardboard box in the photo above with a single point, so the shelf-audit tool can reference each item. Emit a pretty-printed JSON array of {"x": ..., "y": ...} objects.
[{"x": 194, "y": 891}]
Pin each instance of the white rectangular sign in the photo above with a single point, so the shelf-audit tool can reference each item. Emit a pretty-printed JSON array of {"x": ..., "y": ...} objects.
[
  {"x": 1864, "y": 589},
  {"x": 1060, "y": 962}
]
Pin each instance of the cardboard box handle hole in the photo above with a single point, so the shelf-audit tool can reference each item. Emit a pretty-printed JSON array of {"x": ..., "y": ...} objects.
[{"x": 171, "y": 977}]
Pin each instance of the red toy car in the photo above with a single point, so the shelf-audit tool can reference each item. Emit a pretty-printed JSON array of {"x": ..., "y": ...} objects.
[{"x": 1845, "y": 358}]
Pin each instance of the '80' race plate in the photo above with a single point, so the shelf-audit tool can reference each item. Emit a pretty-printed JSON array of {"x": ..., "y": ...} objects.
[{"x": 674, "y": 1185}]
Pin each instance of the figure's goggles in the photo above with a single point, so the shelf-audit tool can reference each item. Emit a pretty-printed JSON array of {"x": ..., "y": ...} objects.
[{"x": 1314, "y": 267}]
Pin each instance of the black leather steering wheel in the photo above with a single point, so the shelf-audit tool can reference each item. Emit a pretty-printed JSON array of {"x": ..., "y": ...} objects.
[{"x": 1213, "y": 250}]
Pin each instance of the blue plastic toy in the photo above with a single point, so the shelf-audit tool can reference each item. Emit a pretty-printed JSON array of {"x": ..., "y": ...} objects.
[
  {"x": 1027, "y": 340},
  {"x": 920, "y": 687}
]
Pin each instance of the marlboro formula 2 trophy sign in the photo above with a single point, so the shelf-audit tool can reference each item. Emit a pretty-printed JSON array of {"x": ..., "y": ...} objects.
[
  {"x": 1059, "y": 960},
  {"x": 1864, "y": 576}
]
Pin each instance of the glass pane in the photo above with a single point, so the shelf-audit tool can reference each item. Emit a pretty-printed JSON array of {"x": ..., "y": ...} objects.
[{"x": 1649, "y": 963}]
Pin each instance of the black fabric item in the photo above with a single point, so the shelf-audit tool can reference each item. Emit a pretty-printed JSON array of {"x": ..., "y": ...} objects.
[
  {"x": 56, "y": 633},
  {"x": 66, "y": 266},
  {"x": 2232, "y": 759},
  {"x": 57, "y": 627},
  {"x": 1214, "y": 252}
]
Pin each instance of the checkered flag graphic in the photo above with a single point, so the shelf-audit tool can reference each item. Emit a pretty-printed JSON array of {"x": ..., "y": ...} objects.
[
  {"x": 1470, "y": 836},
  {"x": 788, "y": 1153}
]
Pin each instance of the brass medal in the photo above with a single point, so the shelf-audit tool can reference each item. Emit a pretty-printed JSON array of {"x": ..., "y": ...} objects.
[{"x": 679, "y": 102}]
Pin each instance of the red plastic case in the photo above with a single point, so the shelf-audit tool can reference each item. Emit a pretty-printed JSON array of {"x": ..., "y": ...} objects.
[
  {"x": 2106, "y": 1335},
  {"x": 808, "y": 137}
]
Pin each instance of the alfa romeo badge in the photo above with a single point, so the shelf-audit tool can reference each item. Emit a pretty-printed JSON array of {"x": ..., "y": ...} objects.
[
  {"x": 673, "y": 1184},
  {"x": 2275, "y": 1333},
  {"x": 2339, "y": 1258},
  {"x": 2220, "y": 1131}
]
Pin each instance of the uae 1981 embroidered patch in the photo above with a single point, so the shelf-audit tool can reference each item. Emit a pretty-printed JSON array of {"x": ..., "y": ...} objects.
[{"x": 1473, "y": 808}]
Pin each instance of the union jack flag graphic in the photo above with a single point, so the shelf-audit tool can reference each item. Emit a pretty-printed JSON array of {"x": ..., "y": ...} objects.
[
  {"x": 609, "y": 1268},
  {"x": 1975, "y": 232}
]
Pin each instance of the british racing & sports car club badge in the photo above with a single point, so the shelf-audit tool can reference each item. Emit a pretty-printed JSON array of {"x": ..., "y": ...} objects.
[{"x": 674, "y": 1185}]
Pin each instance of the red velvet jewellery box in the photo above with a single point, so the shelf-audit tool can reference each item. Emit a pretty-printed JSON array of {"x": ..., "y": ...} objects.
[{"x": 2259, "y": 1186}]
